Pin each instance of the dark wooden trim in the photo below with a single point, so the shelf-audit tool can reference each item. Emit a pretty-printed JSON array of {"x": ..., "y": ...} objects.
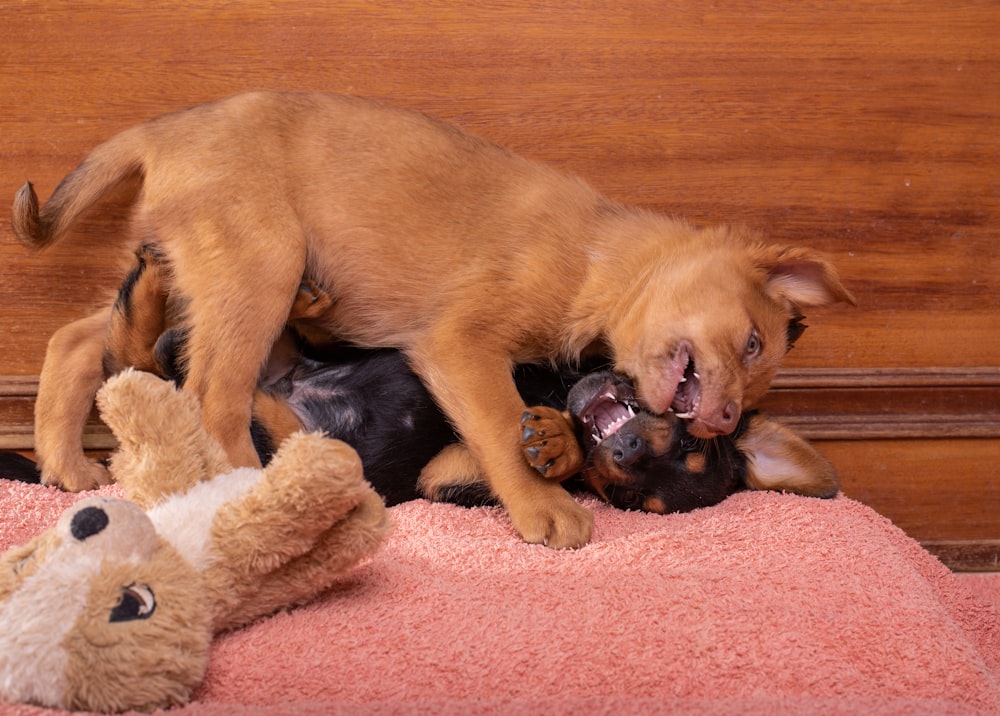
[
  {"x": 821, "y": 404},
  {"x": 888, "y": 403},
  {"x": 979, "y": 376},
  {"x": 967, "y": 556},
  {"x": 17, "y": 401}
]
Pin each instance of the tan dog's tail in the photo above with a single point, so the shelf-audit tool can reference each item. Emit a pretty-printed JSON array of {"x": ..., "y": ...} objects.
[{"x": 105, "y": 168}]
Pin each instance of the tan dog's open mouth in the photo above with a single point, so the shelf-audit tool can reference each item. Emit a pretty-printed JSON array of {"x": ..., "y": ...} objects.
[{"x": 687, "y": 394}]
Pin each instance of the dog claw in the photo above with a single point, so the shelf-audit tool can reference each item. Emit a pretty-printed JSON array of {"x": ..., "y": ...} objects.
[
  {"x": 528, "y": 433},
  {"x": 544, "y": 469},
  {"x": 528, "y": 415},
  {"x": 532, "y": 452}
]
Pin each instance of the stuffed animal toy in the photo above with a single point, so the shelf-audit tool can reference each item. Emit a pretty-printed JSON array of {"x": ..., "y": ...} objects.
[{"x": 114, "y": 607}]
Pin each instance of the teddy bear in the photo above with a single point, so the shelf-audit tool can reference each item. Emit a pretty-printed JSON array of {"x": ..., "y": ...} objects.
[{"x": 114, "y": 607}]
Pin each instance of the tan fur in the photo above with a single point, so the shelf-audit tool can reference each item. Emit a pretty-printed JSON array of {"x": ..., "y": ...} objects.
[
  {"x": 778, "y": 459},
  {"x": 559, "y": 454},
  {"x": 464, "y": 256},
  {"x": 71, "y": 375},
  {"x": 454, "y": 466},
  {"x": 124, "y": 336},
  {"x": 131, "y": 674}
]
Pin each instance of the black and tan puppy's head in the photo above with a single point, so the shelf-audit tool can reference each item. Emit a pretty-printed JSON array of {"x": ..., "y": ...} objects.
[{"x": 639, "y": 460}]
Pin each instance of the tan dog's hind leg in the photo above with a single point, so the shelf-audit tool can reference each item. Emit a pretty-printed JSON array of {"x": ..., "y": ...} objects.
[
  {"x": 71, "y": 374},
  {"x": 224, "y": 377},
  {"x": 475, "y": 389}
]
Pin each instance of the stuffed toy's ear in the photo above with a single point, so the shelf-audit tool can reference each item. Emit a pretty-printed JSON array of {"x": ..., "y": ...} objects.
[
  {"x": 778, "y": 459},
  {"x": 163, "y": 448}
]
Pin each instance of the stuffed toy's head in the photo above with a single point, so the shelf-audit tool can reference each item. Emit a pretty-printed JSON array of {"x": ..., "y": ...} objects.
[
  {"x": 101, "y": 612},
  {"x": 114, "y": 607}
]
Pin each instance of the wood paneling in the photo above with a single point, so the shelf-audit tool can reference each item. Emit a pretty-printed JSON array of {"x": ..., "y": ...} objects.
[{"x": 868, "y": 130}]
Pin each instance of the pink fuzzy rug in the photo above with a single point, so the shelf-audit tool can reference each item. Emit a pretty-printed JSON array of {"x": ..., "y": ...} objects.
[{"x": 765, "y": 604}]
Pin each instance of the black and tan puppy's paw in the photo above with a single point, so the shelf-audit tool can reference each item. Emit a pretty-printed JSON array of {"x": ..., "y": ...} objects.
[{"x": 550, "y": 443}]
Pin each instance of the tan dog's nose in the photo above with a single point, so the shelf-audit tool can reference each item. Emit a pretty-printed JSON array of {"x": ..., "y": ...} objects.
[{"x": 725, "y": 421}]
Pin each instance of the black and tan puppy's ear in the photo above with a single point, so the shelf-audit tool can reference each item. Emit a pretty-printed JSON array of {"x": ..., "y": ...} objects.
[{"x": 778, "y": 459}]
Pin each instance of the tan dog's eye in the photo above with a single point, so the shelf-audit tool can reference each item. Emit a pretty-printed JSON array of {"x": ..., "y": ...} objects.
[
  {"x": 137, "y": 602},
  {"x": 754, "y": 344}
]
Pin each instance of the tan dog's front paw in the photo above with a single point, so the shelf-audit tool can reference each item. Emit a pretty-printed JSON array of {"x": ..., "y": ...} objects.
[
  {"x": 549, "y": 443},
  {"x": 553, "y": 519}
]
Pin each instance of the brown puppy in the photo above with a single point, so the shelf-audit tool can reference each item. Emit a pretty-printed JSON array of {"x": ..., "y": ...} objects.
[{"x": 464, "y": 256}]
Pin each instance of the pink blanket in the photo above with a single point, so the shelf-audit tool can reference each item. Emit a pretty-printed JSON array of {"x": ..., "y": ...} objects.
[{"x": 765, "y": 604}]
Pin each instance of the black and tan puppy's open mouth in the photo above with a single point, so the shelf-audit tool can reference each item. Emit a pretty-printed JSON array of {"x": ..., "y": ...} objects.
[{"x": 602, "y": 404}]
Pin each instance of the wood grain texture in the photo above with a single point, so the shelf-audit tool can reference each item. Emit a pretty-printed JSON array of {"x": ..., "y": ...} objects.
[{"x": 868, "y": 130}]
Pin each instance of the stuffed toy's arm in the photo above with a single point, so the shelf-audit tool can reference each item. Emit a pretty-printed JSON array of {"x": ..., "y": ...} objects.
[
  {"x": 163, "y": 447},
  {"x": 311, "y": 483}
]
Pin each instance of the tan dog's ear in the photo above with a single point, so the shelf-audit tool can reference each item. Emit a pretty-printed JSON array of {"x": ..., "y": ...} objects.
[
  {"x": 778, "y": 459},
  {"x": 802, "y": 276}
]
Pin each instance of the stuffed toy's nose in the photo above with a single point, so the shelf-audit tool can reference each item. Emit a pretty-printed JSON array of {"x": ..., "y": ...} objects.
[
  {"x": 117, "y": 529},
  {"x": 88, "y": 522}
]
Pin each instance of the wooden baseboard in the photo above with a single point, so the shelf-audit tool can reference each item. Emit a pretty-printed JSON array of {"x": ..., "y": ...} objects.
[
  {"x": 967, "y": 556},
  {"x": 882, "y": 416},
  {"x": 821, "y": 404},
  {"x": 888, "y": 403},
  {"x": 17, "y": 422}
]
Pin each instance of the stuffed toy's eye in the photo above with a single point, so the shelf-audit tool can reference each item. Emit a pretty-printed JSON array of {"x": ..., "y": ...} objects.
[
  {"x": 137, "y": 602},
  {"x": 21, "y": 564}
]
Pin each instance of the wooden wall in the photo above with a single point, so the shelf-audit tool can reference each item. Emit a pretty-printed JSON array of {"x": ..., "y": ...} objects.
[{"x": 868, "y": 130}]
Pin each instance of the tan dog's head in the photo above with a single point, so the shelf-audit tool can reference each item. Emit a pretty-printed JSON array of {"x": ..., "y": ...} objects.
[
  {"x": 705, "y": 334},
  {"x": 99, "y": 613}
]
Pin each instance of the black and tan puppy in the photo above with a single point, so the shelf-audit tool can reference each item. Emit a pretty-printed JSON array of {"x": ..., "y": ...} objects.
[
  {"x": 635, "y": 459},
  {"x": 464, "y": 256}
]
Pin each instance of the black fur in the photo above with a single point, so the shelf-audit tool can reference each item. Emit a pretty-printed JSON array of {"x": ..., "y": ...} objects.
[
  {"x": 17, "y": 467},
  {"x": 372, "y": 401}
]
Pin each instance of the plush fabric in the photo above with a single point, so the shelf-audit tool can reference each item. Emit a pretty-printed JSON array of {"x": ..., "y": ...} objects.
[{"x": 765, "y": 604}]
